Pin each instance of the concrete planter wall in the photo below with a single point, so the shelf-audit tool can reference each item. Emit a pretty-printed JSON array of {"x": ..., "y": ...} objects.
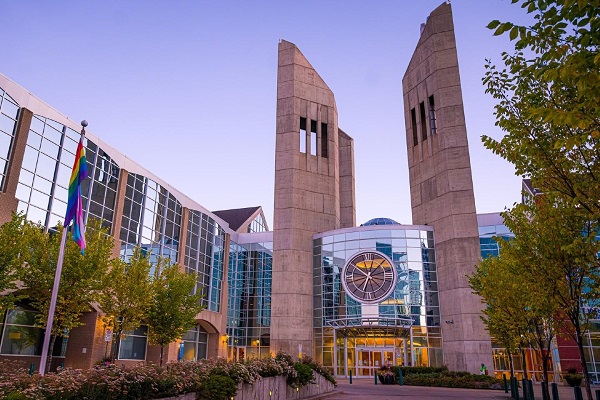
[{"x": 278, "y": 388}]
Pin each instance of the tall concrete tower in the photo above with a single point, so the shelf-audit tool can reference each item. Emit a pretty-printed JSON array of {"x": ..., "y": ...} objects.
[
  {"x": 441, "y": 186},
  {"x": 314, "y": 192}
]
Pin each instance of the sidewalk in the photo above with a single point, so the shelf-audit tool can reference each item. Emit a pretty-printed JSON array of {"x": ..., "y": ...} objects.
[{"x": 365, "y": 389}]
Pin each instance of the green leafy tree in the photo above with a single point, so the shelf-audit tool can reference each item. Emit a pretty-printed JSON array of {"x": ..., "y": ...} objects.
[
  {"x": 126, "y": 296},
  {"x": 548, "y": 94},
  {"x": 554, "y": 256},
  {"x": 14, "y": 237},
  {"x": 173, "y": 307},
  {"x": 518, "y": 314},
  {"x": 80, "y": 282}
]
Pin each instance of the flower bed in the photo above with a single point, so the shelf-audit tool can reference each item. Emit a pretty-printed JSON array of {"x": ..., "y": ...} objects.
[{"x": 208, "y": 378}]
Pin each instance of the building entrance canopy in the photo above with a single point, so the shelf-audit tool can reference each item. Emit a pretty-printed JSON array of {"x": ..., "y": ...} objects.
[{"x": 371, "y": 327}]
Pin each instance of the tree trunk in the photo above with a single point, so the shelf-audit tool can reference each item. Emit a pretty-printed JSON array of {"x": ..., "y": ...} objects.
[
  {"x": 512, "y": 365},
  {"x": 586, "y": 375},
  {"x": 50, "y": 352},
  {"x": 161, "y": 355},
  {"x": 524, "y": 363},
  {"x": 114, "y": 347}
]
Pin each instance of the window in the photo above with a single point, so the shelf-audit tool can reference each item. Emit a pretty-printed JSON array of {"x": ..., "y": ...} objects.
[
  {"x": 313, "y": 138},
  {"x": 133, "y": 347},
  {"x": 423, "y": 121},
  {"x": 302, "y": 135},
  {"x": 413, "y": 120},
  {"x": 194, "y": 345},
  {"x": 324, "y": 141},
  {"x": 432, "y": 126},
  {"x": 20, "y": 336}
]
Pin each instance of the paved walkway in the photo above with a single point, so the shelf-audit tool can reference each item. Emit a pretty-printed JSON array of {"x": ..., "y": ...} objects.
[{"x": 365, "y": 389}]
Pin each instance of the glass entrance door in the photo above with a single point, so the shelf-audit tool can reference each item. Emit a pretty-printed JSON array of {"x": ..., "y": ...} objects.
[{"x": 370, "y": 360}]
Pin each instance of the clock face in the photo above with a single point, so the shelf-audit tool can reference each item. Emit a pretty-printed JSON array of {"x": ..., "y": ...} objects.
[{"x": 369, "y": 277}]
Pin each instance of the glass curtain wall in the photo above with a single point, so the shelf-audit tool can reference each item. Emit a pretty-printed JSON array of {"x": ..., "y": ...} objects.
[
  {"x": 151, "y": 219},
  {"x": 204, "y": 255},
  {"x": 9, "y": 114},
  {"x": 249, "y": 306},
  {"x": 46, "y": 170},
  {"x": 350, "y": 335}
]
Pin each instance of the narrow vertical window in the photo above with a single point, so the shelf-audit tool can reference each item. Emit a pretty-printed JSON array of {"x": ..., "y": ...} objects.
[
  {"x": 302, "y": 135},
  {"x": 324, "y": 141},
  {"x": 423, "y": 120},
  {"x": 413, "y": 120},
  {"x": 313, "y": 138},
  {"x": 432, "y": 126}
]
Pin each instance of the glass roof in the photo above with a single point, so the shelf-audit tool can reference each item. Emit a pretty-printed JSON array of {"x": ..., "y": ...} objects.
[{"x": 380, "y": 221}]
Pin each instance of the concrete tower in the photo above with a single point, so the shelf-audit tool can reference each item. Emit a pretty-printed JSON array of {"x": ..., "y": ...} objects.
[
  {"x": 441, "y": 186},
  {"x": 314, "y": 192}
]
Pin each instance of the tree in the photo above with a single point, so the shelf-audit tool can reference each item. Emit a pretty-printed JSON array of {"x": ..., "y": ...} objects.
[
  {"x": 126, "y": 296},
  {"x": 555, "y": 251},
  {"x": 173, "y": 307},
  {"x": 517, "y": 313},
  {"x": 13, "y": 246},
  {"x": 80, "y": 282},
  {"x": 548, "y": 95}
]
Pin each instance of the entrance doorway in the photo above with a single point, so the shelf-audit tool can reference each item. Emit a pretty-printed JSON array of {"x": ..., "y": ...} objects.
[{"x": 368, "y": 361}]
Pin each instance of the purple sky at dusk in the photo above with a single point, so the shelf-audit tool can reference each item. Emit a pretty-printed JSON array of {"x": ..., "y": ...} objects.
[{"x": 188, "y": 88}]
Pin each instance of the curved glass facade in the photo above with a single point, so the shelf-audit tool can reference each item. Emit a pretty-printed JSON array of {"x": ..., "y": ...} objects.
[
  {"x": 403, "y": 329},
  {"x": 42, "y": 189},
  {"x": 9, "y": 113},
  {"x": 204, "y": 255},
  {"x": 151, "y": 219}
]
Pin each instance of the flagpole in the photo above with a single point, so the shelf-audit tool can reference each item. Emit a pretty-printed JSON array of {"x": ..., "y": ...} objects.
[{"x": 59, "y": 264}]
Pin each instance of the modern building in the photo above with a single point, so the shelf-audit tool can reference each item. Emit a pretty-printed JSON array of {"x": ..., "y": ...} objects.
[{"x": 353, "y": 297}]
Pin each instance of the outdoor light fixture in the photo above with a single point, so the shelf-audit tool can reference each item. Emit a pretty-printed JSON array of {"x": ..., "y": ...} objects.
[{"x": 449, "y": 321}]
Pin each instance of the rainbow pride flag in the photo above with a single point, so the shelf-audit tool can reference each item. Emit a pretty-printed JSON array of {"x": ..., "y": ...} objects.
[{"x": 75, "y": 205}]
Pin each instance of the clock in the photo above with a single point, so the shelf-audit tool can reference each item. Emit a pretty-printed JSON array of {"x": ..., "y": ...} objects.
[{"x": 369, "y": 277}]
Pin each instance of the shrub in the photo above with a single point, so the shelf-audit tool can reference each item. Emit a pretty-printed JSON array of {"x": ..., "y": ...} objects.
[
  {"x": 319, "y": 369},
  {"x": 303, "y": 376},
  {"x": 217, "y": 387},
  {"x": 16, "y": 396},
  {"x": 112, "y": 382}
]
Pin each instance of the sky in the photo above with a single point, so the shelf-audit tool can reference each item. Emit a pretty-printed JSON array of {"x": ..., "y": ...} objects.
[{"x": 188, "y": 88}]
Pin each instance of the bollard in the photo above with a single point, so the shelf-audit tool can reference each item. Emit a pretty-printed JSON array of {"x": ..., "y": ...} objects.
[
  {"x": 400, "y": 377},
  {"x": 597, "y": 394},
  {"x": 375, "y": 376},
  {"x": 505, "y": 383},
  {"x": 554, "y": 386},
  {"x": 31, "y": 369},
  {"x": 351, "y": 377},
  {"x": 516, "y": 386},
  {"x": 530, "y": 390},
  {"x": 578, "y": 394},
  {"x": 545, "y": 394}
]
